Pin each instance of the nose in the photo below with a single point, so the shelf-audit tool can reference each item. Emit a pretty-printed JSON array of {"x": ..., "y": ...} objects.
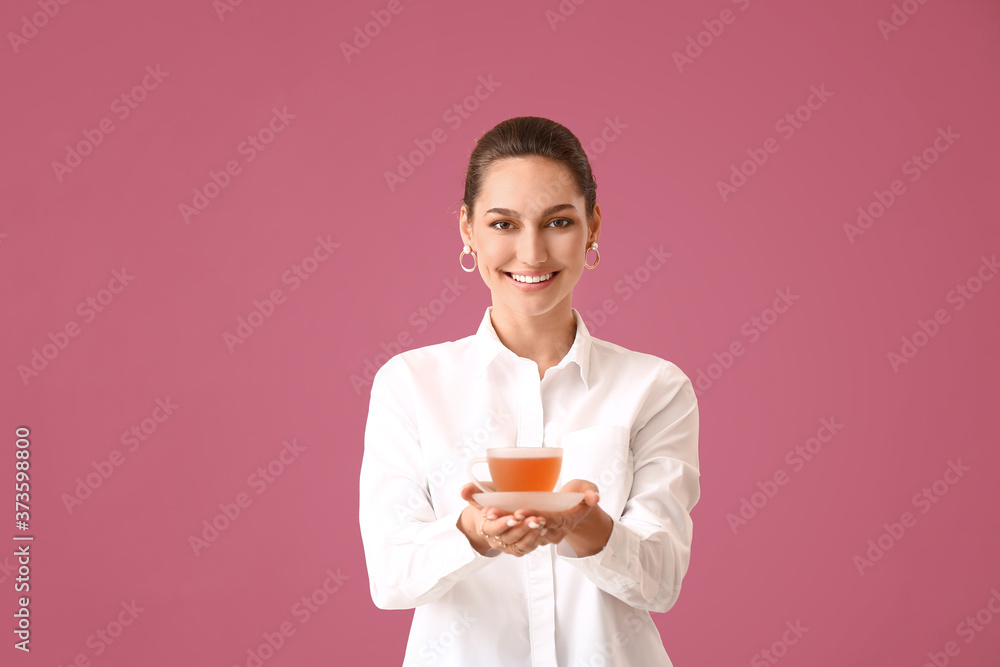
[{"x": 531, "y": 249}]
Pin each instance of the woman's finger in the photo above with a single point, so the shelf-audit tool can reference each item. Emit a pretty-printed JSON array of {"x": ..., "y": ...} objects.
[
  {"x": 511, "y": 527},
  {"x": 467, "y": 492},
  {"x": 554, "y": 529},
  {"x": 524, "y": 546},
  {"x": 530, "y": 541},
  {"x": 498, "y": 529},
  {"x": 509, "y": 530}
]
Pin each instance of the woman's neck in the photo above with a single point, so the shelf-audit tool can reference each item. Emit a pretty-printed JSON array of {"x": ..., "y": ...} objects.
[{"x": 545, "y": 339}]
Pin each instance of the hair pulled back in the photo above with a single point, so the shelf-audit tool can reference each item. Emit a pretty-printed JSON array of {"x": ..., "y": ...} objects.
[{"x": 527, "y": 136}]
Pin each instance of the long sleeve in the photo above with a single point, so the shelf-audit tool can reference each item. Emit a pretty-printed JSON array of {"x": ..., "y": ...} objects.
[
  {"x": 414, "y": 556},
  {"x": 649, "y": 549},
  {"x": 625, "y": 420}
]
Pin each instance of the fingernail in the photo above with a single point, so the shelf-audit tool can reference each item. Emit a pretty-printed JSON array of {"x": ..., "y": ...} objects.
[
  {"x": 511, "y": 523},
  {"x": 532, "y": 524}
]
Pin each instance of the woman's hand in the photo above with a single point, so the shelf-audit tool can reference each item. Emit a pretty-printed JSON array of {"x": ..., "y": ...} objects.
[
  {"x": 561, "y": 524},
  {"x": 585, "y": 526},
  {"x": 516, "y": 533}
]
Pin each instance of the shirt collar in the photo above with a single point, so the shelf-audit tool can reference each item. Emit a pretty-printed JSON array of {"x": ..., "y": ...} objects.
[{"x": 489, "y": 347}]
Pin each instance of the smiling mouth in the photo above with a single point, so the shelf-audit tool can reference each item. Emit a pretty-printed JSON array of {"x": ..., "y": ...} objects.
[{"x": 533, "y": 279}]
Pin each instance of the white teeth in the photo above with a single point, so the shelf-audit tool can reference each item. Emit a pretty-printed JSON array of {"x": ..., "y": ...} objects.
[{"x": 531, "y": 279}]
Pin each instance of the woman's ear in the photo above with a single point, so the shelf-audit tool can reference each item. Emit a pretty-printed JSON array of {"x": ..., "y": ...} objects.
[
  {"x": 594, "y": 226},
  {"x": 464, "y": 228}
]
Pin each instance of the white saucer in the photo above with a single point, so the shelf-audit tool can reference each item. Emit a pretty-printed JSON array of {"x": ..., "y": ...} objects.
[{"x": 553, "y": 501}]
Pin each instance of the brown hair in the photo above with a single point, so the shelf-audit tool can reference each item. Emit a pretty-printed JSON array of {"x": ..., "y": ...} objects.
[{"x": 526, "y": 136}]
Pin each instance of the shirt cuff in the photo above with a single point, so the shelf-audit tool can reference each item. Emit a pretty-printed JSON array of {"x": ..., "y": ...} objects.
[
  {"x": 620, "y": 555},
  {"x": 454, "y": 558}
]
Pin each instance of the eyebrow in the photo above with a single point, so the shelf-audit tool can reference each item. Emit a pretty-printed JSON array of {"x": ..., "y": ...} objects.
[{"x": 514, "y": 214}]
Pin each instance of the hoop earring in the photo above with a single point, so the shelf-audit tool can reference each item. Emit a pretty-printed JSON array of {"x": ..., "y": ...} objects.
[
  {"x": 593, "y": 246},
  {"x": 475, "y": 260}
]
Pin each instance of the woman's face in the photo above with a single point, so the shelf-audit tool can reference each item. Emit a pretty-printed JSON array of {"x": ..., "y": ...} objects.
[{"x": 530, "y": 233}]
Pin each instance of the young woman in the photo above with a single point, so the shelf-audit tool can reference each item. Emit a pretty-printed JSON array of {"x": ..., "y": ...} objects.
[{"x": 498, "y": 588}]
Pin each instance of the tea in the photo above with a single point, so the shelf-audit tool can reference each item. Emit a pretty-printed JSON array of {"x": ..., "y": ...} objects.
[
  {"x": 521, "y": 468},
  {"x": 525, "y": 474}
]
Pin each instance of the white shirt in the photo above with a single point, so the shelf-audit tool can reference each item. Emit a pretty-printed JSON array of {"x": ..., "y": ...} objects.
[{"x": 628, "y": 422}]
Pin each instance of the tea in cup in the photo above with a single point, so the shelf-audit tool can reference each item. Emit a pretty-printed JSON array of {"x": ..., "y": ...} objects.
[{"x": 520, "y": 468}]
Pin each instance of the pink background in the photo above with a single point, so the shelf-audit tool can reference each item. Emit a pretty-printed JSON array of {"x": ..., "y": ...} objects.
[{"x": 679, "y": 132}]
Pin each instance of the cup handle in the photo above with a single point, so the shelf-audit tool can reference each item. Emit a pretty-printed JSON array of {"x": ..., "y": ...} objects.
[{"x": 468, "y": 470}]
